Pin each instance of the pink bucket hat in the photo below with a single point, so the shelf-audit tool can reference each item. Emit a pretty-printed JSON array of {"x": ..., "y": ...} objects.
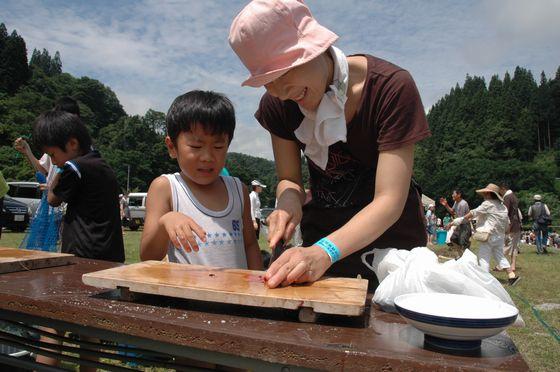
[{"x": 272, "y": 36}]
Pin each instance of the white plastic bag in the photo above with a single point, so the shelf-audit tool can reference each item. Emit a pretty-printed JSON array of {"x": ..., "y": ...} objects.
[
  {"x": 418, "y": 271},
  {"x": 449, "y": 234},
  {"x": 385, "y": 261}
]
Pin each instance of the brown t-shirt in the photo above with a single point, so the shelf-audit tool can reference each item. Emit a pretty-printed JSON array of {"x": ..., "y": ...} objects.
[
  {"x": 512, "y": 205},
  {"x": 390, "y": 115}
]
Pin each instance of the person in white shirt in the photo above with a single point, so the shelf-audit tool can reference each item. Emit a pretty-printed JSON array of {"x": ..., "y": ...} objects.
[
  {"x": 197, "y": 216},
  {"x": 492, "y": 223},
  {"x": 43, "y": 165},
  {"x": 256, "y": 205}
]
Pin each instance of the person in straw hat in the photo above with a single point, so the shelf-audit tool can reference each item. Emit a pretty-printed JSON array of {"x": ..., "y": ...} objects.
[
  {"x": 356, "y": 118},
  {"x": 492, "y": 222}
]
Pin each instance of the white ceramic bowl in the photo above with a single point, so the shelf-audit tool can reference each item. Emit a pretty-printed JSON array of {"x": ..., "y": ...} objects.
[{"x": 455, "y": 317}]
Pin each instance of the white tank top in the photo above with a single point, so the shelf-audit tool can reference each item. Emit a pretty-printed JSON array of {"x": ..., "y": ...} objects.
[{"x": 224, "y": 246}]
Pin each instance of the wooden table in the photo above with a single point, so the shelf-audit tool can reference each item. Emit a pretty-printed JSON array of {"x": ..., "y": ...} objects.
[
  {"x": 13, "y": 259},
  {"x": 233, "y": 335}
]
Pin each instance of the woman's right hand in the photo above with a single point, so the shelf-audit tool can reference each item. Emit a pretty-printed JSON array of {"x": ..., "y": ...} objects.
[
  {"x": 21, "y": 145},
  {"x": 182, "y": 230},
  {"x": 282, "y": 223}
]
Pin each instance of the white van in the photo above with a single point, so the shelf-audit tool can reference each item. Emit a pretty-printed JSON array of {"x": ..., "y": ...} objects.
[
  {"x": 26, "y": 192},
  {"x": 137, "y": 209}
]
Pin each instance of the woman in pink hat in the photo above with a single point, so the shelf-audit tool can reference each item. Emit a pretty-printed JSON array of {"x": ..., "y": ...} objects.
[{"x": 356, "y": 118}]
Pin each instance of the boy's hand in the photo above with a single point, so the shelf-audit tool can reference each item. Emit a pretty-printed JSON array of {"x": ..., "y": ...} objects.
[
  {"x": 21, "y": 145},
  {"x": 182, "y": 230}
]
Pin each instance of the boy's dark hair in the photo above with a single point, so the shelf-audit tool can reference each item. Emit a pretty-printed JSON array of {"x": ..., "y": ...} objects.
[
  {"x": 213, "y": 111},
  {"x": 56, "y": 128},
  {"x": 67, "y": 104}
]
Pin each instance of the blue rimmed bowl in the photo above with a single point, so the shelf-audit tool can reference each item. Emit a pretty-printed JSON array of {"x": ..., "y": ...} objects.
[{"x": 454, "y": 321}]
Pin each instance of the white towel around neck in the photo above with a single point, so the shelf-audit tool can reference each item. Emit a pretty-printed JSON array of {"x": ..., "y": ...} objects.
[{"x": 320, "y": 129}]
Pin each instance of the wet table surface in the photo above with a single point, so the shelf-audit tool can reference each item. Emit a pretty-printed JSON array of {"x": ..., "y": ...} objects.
[{"x": 376, "y": 341}]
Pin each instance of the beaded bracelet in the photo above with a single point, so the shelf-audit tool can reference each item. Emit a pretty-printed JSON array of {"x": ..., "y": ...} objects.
[{"x": 331, "y": 249}]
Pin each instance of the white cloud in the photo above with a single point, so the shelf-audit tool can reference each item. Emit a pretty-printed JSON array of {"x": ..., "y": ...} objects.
[
  {"x": 149, "y": 52},
  {"x": 252, "y": 139},
  {"x": 84, "y": 43},
  {"x": 528, "y": 21},
  {"x": 136, "y": 104}
]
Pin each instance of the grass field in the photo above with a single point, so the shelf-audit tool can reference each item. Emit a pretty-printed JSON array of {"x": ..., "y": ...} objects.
[{"x": 540, "y": 284}]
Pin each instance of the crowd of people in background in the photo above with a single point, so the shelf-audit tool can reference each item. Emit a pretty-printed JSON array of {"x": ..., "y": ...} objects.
[
  {"x": 529, "y": 237},
  {"x": 496, "y": 224}
]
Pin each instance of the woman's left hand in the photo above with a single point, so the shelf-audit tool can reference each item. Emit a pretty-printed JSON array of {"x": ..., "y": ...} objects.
[{"x": 298, "y": 265}]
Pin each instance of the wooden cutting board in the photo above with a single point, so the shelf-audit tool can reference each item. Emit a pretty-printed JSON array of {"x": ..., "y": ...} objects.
[
  {"x": 344, "y": 296},
  {"x": 14, "y": 259}
]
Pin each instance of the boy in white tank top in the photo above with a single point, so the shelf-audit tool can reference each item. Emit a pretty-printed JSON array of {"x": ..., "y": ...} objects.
[{"x": 197, "y": 216}]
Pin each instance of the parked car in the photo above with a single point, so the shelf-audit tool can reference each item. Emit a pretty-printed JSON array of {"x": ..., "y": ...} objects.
[
  {"x": 137, "y": 208},
  {"x": 15, "y": 214},
  {"x": 26, "y": 192}
]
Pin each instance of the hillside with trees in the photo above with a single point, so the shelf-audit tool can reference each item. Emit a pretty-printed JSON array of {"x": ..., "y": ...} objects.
[
  {"x": 508, "y": 129},
  {"x": 29, "y": 88}
]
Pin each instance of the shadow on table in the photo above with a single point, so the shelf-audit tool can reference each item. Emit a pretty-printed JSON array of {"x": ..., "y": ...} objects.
[
  {"x": 251, "y": 312},
  {"x": 498, "y": 346}
]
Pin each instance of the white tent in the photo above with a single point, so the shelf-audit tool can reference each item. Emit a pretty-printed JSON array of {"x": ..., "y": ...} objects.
[{"x": 427, "y": 201}]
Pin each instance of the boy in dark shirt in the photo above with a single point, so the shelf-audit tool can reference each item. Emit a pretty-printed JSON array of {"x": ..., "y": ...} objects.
[
  {"x": 92, "y": 225},
  {"x": 86, "y": 182}
]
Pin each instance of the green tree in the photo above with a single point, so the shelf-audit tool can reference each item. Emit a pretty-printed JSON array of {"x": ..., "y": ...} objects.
[
  {"x": 3, "y": 36},
  {"x": 102, "y": 101},
  {"x": 155, "y": 120},
  {"x": 42, "y": 60},
  {"x": 13, "y": 62},
  {"x": 131, "y": 143}
]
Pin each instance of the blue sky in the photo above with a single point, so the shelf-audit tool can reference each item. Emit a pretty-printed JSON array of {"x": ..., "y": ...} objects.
[{"x": 149, "y": 52}]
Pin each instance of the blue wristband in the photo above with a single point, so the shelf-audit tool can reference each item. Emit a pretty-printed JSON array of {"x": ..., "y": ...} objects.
[{"x": 331, "y": 249}]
